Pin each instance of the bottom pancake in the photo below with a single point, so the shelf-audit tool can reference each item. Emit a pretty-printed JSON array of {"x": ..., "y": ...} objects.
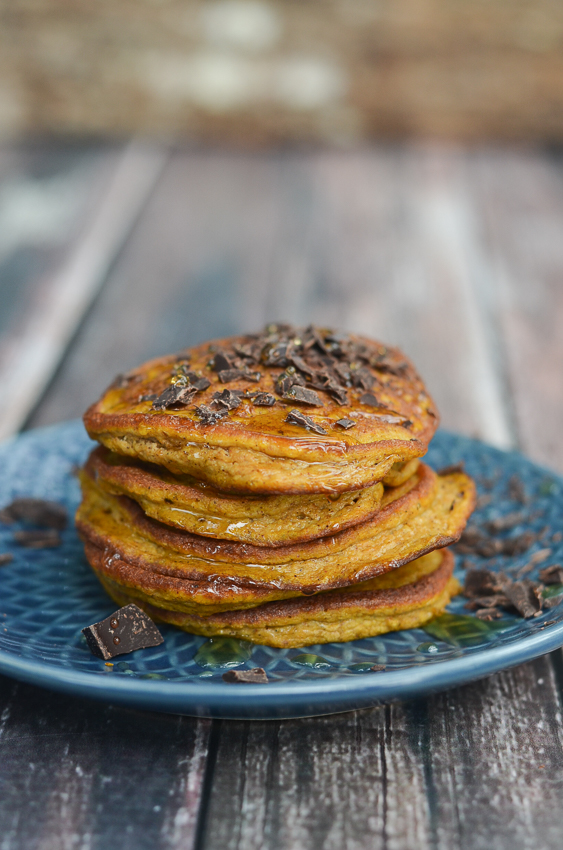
[{"x": 405, "y": 598}]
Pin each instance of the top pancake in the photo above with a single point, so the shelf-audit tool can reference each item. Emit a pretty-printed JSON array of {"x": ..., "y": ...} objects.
[{"x": 340, "y": 412}]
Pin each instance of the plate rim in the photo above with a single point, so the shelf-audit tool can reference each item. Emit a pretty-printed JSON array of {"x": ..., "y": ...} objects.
[{"x": 295, "y": 697}]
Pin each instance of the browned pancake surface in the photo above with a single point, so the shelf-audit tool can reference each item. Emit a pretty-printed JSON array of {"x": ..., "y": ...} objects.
[{"x": 344, "y": 410}]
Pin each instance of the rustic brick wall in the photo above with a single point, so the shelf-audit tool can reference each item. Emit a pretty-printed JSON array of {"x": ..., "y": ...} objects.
[{"x": 259, "y": 71}]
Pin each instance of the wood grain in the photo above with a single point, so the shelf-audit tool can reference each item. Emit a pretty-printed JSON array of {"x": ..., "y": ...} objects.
[{"x": 77, "y": 774}]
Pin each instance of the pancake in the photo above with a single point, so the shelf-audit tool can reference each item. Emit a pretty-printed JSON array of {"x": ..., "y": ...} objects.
[
  {"x": 174, "y": 569},
  {"x": 404, "y": 599},
  {"x": 185, "y": 503},
  {"x": 288, "y": 411}
]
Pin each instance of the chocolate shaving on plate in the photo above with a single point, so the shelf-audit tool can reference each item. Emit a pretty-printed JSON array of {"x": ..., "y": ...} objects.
[
  {"x": 552, "y": 574},
  {"x": 47, "y": 538},
  {"x": 40, "y": 512},
  {"x": 256, "y": 676},
  {"x": 295, "y": 417}
]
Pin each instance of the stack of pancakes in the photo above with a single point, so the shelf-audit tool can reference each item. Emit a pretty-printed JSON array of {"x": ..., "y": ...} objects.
[{"x": 268, "y": 487}]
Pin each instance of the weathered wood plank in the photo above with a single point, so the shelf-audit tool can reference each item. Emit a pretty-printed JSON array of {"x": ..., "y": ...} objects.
[
  {"x": 33, "y": 347},
  {"x": 495, "y": 762},
  {"x": 521, "y": 199},
  {"x": 77, "y": 774},
  {"x": 347, "y": 781}
]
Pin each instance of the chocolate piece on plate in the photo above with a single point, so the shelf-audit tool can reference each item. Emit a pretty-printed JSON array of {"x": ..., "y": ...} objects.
[
  {"x": 36, "y": 511},
  {"x": 295, "y": 417},
  {"x": 256, "y": 676},
  {"x": 46, "y": 538},
  {"x": 6, "y": 558},
  {"x": 124, "y": 631},
  {"x": 264, "y": 400},
  {"x": 552, "y": 575},
  {"x": 345, "y": 423}
]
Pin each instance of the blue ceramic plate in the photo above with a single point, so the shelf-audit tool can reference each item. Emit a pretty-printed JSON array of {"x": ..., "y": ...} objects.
[{"x": 47, "y": 596}]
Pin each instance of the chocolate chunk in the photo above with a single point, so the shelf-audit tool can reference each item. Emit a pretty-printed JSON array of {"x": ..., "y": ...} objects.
[
  {"x": 249, "y": 352},
  {"x": 362, "y": 378},
  {"x": 256, "y": 676},
  {"x": 524, "y": 596},
  {"x": 48, "y": 538},
  {"x": 228, "y": 398},
  {"x": 6, "y": 558},
  {"x": 488, "y": 614},
  {"x": 297, "y": 393},
  {"x": 263, "y": 400},
  {"x": 506, "y": 522},
  {"x": 36, "y": 511},
  {"x": 450, "y": 470},
  {"x": 339, "y": 395},
  {"x": 377, "y": 668},
  {"x": 277, "y": 354},
  {"x": 370, "y": 400},
  {"x": 125, "y": 631},
  {"x": 148, "y": 397},
  {"x": 211, "y": 415},
  {"x": 481, "y": 583},
  {"x": 552, "y": 601},
  {"x": 295, "y": 417},
  {"x": 288, "y": 380},
  {"x": 516, "y": 490},
  {"x": 197, "y": 382},
  {"x": 552, "y": 575},
  {"x": 302, "y": 366},
  {"x": 174, "y": 395},
  {"x": 496, "y": 599},
  {"x": 345, "y": 423},
  {"x": 223, "y": 362}
]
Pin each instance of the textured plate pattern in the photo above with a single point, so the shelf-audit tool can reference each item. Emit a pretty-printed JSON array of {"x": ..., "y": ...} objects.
[{"x": 48, "y": 596}]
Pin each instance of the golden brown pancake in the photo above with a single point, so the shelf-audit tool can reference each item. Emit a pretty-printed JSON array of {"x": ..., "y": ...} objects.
[
  {"x": 288, "y": 411},
  {"x": 174, "y": 569},
  {"x": 403, "y": 599},
  {"x": 185, "y": 503}
]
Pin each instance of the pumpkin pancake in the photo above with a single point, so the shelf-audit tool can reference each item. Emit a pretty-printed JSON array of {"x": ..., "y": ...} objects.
[
  {"x": 288, "y": 411},
  {"x": 406, "y": 598},
  {"x": 185, "y": 503},
  {"x": 177, "y": 570}
]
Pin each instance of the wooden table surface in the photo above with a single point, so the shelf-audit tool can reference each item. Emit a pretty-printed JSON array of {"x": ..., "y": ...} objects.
[{"x": 110, "y": 255}]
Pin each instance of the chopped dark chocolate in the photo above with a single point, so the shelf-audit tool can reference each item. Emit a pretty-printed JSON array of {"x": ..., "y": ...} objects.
[
  {"x": 552, "y": 574},
  {"x": 228, "y": 398},
  {"x": 506, "y": 522},
  {"x": 524, "y": 596},
  {"x": 6, "y": 558},
  {"x": 288, "y": 380},
  {"x": 223, "y": 362},
  {"x": 377, "y": 668},
  {"x": 450, "y": 470},
  {"x": 39, "y": 512},
  {"x": 482, "y": 583},
  {"x": 148, "y": 397},
  {"x": 488, "y": 614},
  {"x": 516, "y": 490},
  {"x": 300, "y": 394},
  {"x": 256, "y": 676},
  {"x": 370, "y": 400},
  {"x": 124, "y": 631},
  {"x": 295, "y": 417},
  {"x": 303, "y": 367},
  {"x": 47, "y": 538},
  {"x": 211, "y": 415},
  {"x": 362, "y": 378},
  {"x": 174, "y": 395},
  {"x": 263, "y": 400},
  {"x": 345, "y": 423}
]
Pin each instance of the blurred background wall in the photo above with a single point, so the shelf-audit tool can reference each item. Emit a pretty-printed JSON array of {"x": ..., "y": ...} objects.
[{"x": 253, "y": 72}]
